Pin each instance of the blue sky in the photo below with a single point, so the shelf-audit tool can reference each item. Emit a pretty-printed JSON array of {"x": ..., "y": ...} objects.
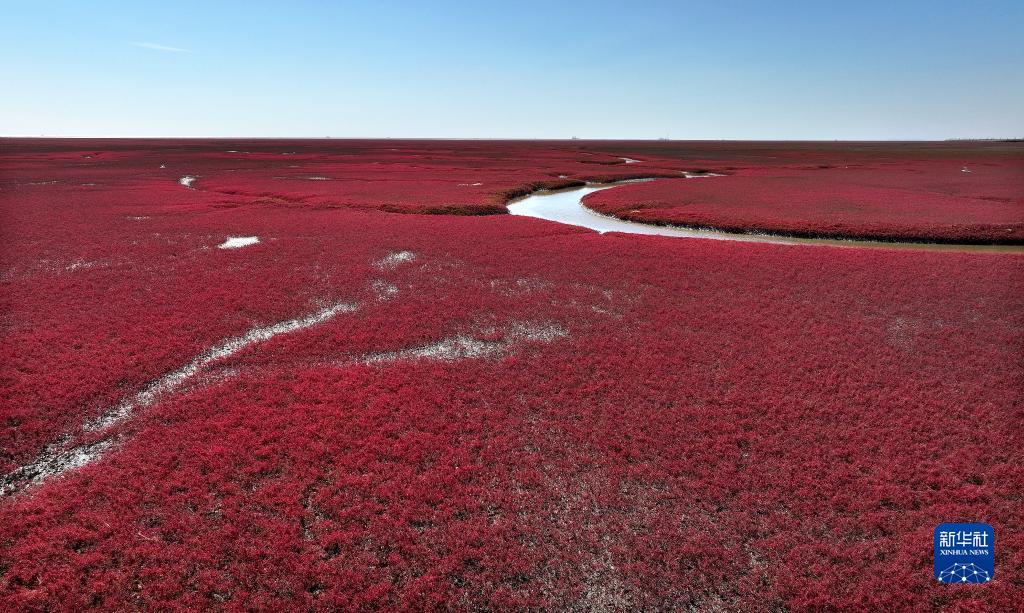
[{"x": 687, "y": 70}]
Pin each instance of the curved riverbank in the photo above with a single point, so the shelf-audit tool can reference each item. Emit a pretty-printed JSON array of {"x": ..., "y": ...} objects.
[{"x": 566, "y": 206}]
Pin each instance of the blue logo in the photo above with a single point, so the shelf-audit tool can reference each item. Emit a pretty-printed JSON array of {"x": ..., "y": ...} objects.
[{"x": 965, "y": 553}]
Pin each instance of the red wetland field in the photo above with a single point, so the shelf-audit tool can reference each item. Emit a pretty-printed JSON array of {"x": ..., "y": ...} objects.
[{"x": 335, "y": 374}]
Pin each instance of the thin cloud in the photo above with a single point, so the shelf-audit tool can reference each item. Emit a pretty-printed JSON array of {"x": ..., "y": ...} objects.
[{"x": 156, "y": 47}]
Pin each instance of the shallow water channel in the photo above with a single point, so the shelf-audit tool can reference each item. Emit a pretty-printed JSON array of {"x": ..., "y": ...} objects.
[{"x": 566, "y": 206}]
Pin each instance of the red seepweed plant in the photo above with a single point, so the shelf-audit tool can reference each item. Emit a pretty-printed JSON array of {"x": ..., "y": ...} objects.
[{"x": 506, "y": 412}]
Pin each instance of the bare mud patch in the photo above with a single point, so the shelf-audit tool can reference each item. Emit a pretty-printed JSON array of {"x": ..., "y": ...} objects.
[{"x": 55, "y": 460}]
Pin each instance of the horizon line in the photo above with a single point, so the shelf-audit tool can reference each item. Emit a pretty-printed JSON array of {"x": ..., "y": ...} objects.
[{"x": 501, "y": 138}]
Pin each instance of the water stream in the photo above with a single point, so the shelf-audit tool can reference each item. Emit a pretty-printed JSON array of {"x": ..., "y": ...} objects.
[{"x": 566, "y": 206}]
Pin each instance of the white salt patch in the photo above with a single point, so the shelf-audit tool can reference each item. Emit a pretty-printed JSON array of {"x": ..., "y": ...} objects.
[
  {"x": 384, "y": 290},
  {"x": 699, "y": 175},
  {"x": 187, "y": 181},
  {"x": 316, "y": 178},
  {"x": 394, "y": 259},
  {"x": 964, "y": 169},
  {"x": 445, "y": 350},
  {"x": 463, "y": 346},
  {"x": 236, "y": 242},
  {"x": 543, "y": 332},
  {"x": 630, "y": 160},
  {"x": 80, "y": 264},
  {"x": 163, "y": 165}
]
